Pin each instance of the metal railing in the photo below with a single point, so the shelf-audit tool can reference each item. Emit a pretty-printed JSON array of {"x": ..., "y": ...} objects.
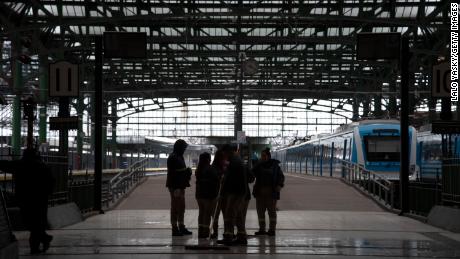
[
  {"x": 120, "y": 184},
  {"x": 377, "y": 186},
  {"x": 6, "y": 233},
  {"x": 113, "y": 189},
  {"x": 82, "y": 193},
  {"x": 451, "y": 181},
  {"x": 58, "y": 167},
  {"x": 423, "y": 196}
]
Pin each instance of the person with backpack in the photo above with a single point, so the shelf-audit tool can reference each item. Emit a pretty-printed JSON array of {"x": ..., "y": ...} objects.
[{"x": 269, "y": 181}]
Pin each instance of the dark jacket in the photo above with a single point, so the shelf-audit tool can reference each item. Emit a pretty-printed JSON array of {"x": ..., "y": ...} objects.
[
  {"x": 236, "y": 178},
  {"x": 179, "y": 175},
  {"x": 32, "y": 179},
  {"x": 207, "y": 183},
  {"x": 268, "y": 174}
]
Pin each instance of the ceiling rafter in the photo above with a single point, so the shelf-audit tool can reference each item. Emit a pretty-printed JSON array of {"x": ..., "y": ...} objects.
[{"x": 299, "y": 45}]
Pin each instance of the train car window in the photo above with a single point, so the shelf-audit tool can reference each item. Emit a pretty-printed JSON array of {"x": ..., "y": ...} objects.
[
  {"x": 456, "y": 151},
  {"x": 382, "y": 148},
  {"x": 431, "y": 150}
]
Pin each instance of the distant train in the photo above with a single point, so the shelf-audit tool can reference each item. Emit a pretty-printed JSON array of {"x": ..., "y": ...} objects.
[
  {"x": 373, "y": 144},
  {"x": 430, "y": 154}
]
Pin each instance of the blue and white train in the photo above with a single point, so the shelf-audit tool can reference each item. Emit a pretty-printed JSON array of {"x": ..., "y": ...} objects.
[{"x": 373, "y": 144}]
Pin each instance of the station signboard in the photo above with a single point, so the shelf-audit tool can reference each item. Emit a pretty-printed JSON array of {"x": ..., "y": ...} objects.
[
  {"x": 445, "y": 127},
  {"x": 441, "y": 80},
  {"x": 125, "y": 44},
  {"x": 373, "y": 46},
  {"x": 64, "y": 123},
  {"x": 63, "y": 79},
  {"x": 241, "y": 137}
]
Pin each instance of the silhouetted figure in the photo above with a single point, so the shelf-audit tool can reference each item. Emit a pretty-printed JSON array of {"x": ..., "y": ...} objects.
[
  {"x": 269, "y": 181},
  {"x": 219, "y": 164},
  {"x": 235, "y": 193},
  {"x": 177, "y": 180},
  {"x": 33, "y": 185},
  {"x": 207, "y": 188}
]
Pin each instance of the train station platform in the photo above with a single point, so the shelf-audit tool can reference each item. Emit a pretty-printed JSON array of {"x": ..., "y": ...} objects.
[{"x": 317, "y": 218}]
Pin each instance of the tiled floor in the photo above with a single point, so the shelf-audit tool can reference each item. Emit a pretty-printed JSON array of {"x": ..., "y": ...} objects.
[{"x": 140, "y": 234}]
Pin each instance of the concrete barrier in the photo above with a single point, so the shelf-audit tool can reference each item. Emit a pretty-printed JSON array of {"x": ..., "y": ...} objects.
[
  {"x": 64, "y": 215},
  {"x": 445, "y": 217}
]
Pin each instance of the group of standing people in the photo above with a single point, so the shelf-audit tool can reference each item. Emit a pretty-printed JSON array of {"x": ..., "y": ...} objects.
[{"x": 223, "y": 186}]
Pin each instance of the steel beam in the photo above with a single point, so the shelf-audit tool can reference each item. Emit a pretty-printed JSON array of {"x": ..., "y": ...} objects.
[
  {"x": 98, "y": 126},
  {"x": 43, "y": 80},
  {"x": 17, "y": 115}
]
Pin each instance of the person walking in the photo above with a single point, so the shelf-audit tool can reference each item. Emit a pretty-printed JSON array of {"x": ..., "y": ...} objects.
[
  {"x": 33, "y": 183},
  {"x": 269, "y": 181},
  {"x": 207, "y": 187},
  {"x": 177, "y": 180}
]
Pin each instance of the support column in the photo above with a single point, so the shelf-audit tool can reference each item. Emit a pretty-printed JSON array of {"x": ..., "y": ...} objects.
[
  {"x": 432, "y": 108},
  {"x": 80, "y": 110},
  {"x": 16, "y": 134},
  {"x": 404, "y": 145},
  {"x": 64, "y": 111},
  {"x": 378, "y": 106},
  {"x": 104, "y": 133},
  {"x": 92, "y": 119},
  {"x": 114, "y": 132},
  {"x": 239, "y": 95},
  {"x": 104, "y": 146},
  {"x": 98, "y": 125},
  {"x": 42, "y": 130},
  {"x": 412, "y": 100},
  {"x": 446, "y": 109},
  {"x": 392, "y": 105},
  {"x": 238, "y": 99},
  {"x": 17, "y": 85},
  {"x": 355, "y": 106},
  {"x": 366, "y": 107}
]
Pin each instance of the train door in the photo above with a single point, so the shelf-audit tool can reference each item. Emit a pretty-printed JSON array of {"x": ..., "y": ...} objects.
[
  {"x": 350, "y": 151},
  {"x": 321, "y": 160},
  {"x": 456, "y": 147},
  {"x": 345, "y": 143},
  {"x": 420, "y": 159},
  {"x": 331, "y": 161}
]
